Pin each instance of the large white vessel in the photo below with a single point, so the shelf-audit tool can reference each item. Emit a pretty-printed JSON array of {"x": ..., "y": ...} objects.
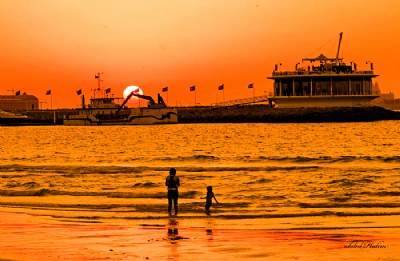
[
  {"x": 106, "y": 111},
  {"x": 328, "y": 83}
]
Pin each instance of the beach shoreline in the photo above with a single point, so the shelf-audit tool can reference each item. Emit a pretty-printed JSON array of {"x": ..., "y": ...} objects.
[{"x": 27, "y": 237}]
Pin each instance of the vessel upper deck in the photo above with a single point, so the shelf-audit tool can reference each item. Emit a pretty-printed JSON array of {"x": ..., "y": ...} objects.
[
  {"x": 328, "y": 67},
  {"x": 320, "y": 73}
]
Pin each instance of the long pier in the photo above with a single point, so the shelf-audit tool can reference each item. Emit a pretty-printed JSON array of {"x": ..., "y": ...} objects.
[{"x": 245, "y": 101}]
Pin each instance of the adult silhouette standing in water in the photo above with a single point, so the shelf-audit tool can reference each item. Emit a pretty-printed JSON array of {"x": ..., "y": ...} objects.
[{"x": 172, "y": 182}]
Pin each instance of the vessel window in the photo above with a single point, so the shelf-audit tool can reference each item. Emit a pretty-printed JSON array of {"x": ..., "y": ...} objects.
[
  {"x": 321, "y": 87},
  {"x": 301, "y": 88},
  {"x": 287, "y": 87},
  {"x": 276, "y": 88},
  {"x": 356, "y": 87},
  {"x": 306, "y": 88},
  {"x": 297, "y": 88},
  {"x": 367, "y": 87},
  {"x": 340, "y": 87}
]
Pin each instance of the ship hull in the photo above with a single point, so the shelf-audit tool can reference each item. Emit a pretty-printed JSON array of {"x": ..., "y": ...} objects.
[
  {"x": 7, "y": 118},
  {"x": 322, "y": 101},
  {"x": 137, "y": 116},
  {"x": 11, "y": 121}
]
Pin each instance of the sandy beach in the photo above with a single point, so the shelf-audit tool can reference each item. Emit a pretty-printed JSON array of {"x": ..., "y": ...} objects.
[{"x": 26, "y": 237}]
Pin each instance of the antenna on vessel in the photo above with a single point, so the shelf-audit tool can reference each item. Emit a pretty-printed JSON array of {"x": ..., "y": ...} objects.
[
  {"x": 97, "y": 77},
  {"x": 338, "y": 50}
]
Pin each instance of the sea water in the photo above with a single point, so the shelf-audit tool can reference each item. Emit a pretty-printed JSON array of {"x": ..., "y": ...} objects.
[{"x": 258, "y": 171}]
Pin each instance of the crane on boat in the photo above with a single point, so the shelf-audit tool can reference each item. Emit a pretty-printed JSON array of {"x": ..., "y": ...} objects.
[
  {"x": 322, "y": 58},
  {"x": 338, "y": 50},
  {"x": 152, "y": 103}
]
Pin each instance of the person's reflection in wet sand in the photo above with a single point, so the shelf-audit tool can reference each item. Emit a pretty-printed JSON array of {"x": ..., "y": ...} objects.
[
  {"x": 172, "y": 230},
  {"x": 209, "y": 228},
  {"x": 172, "y": 238}
]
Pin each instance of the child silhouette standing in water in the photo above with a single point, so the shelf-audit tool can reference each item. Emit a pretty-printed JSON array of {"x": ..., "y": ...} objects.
[{"x": 209, "y": 197}]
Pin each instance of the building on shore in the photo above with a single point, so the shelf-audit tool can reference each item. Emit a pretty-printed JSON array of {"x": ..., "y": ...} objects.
[
  {"x": 386, "y": 100},
  {"x": 386, "y": 96},
  {"x": 19, "y": 102}
]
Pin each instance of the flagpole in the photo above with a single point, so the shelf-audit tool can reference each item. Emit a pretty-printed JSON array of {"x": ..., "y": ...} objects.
[
  {"x": 191, "y": 89},
  {"x": 222, "y": 88},
  {"x": 251, "y": 86}
]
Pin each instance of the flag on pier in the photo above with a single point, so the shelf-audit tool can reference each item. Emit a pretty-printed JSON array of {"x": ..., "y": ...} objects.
[
  {"x": 221, "y": 87},
  {"x": 48, "y": 92},
  {"x": 165, "y": 89},
  {"x": 192, "y": 88},
  {"x": 250, "y": 86},
  {"x": 79, "y": 92},
  {"x": 17, "y": 93},
  {"x": 97, "y": 76},
  {"x": 108, "y": 90}
]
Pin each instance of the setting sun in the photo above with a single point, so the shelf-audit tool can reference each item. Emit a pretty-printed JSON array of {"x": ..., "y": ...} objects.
[{"x": 134, "y": 89}]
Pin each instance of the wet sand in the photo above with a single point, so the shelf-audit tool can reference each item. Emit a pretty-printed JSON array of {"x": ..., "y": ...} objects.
[{"x": 26, "y": 237}]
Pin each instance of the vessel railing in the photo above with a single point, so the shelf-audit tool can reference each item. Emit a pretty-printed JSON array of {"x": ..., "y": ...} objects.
[{"x": 293, "y": 73}]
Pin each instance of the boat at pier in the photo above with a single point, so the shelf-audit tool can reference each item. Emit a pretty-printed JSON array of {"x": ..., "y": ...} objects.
[
  {"x": 8, "y": 118},
  {"x": 106, "y": 111},
  {"x": 329, "y": 83}
]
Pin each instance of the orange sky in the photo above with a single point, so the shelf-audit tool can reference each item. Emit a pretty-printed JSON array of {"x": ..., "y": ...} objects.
[{"x": 59, "y": 45}]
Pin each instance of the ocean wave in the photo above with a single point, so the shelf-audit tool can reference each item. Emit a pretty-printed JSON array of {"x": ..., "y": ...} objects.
[
  {"x": 241, "y": 163},
  {"x": 245, "y": 168},
  {"x": 381, "y": 193},
  {"x": 53, "y": 192},
  {"x": 198, "y": 157},
  {"x": 110, "y": 194},
  {"x": 74, "y": 170},
  {"x": 349, "y": 205},
  {"x": 322, "y": 159},
  {"x": 16, "y": 171},
  {"x": 259, "y": 181},
  {"x": 145, "y": 185},
  {"x": 348, "y": 182},
  {"x": 97, "y": 213},
  {"x": 104, "y": 209},
  {"x": 69, "y": 171},
  {"x": 274, "y": 197}
]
